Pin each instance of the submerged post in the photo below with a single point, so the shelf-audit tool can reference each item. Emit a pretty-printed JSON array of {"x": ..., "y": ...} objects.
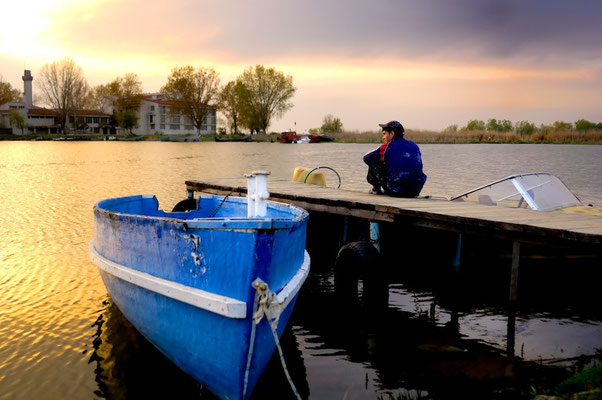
[{"x": 456, "y": 261}]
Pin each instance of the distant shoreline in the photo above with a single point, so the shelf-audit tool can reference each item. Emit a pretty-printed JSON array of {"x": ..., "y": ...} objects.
[{"x": 421, "y": 137}]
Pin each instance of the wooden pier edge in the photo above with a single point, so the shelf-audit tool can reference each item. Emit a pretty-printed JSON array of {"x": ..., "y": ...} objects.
[{"x": 522, "y": 225}]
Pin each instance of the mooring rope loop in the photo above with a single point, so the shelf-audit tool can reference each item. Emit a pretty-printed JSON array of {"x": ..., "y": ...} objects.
[{"x": 266, "y": 304}]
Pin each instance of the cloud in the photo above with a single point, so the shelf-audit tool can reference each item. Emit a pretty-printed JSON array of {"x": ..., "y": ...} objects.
[
  {"x": 553, "y": 31},
  {"x": 458, "y": 57}
]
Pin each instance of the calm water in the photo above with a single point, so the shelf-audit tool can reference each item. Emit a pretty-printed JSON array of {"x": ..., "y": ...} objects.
[{"x": 61, "y": 337}]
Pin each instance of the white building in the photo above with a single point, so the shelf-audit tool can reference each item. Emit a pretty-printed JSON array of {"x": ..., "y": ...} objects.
[
  {"x": 156, "y": 117},
  {"x": 43, "y": 120}
]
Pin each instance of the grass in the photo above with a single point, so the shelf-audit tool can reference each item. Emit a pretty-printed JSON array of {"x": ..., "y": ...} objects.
[{"x": 586, "y": 384}]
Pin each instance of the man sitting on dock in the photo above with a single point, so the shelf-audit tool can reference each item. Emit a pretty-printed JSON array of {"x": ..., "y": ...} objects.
[{"x": 395, "y": 168}]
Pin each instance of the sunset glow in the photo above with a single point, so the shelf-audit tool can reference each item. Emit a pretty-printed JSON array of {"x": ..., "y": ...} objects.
[{"x": 429, "y": 60}]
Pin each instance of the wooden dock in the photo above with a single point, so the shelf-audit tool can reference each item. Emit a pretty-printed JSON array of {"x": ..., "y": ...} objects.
[
  {"x": 518, "y": 225},
  {"x": 562, "y": 231}
]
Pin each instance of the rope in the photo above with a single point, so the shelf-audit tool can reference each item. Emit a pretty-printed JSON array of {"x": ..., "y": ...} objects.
[
  {"x": 250, "y": 354},
  {"x": 263, "y": 302},
  {"x": 220, "y": 205}
]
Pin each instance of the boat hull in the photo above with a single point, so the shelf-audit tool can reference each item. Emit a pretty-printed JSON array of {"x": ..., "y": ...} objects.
[{"x": 186, "y": 283}]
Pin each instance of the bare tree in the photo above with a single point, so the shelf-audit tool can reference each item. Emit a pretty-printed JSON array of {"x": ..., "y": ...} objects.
[
  {"x": 123, "y": 93},
  {"x": 64, "y": 88},
  {"x": 192, "y": 93}
]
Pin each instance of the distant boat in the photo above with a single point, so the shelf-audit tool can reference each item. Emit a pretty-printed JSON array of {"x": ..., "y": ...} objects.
[
  {"x": 209, "y": 287},
  {"x": 246, "y": 138},
  {"x": 131, "y": 138},
  {"x": 293, "y": 137},
  {"x": 178, "y": 138}
]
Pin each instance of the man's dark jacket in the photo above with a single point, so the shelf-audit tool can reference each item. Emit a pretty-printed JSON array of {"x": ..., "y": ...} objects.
[{"x": 403, "y": 166}]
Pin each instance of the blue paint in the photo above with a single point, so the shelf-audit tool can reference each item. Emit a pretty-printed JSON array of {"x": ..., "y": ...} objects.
[{"x": 222, "y": 255}]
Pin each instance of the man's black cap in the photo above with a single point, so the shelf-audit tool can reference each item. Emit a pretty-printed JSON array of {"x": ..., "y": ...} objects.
[{"x": 393, "y": 126}]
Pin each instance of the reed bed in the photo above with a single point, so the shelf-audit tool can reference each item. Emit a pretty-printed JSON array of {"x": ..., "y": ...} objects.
[{"x": 560, "y": 137}]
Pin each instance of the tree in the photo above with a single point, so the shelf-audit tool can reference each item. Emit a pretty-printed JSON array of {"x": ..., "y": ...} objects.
[
  {"x": 452, "y": 128},
  {"x": 563, "y": 126},
  {"x": 232, "y": 103},
  {"x": 192, "y": 93},
  {"x": 64, "y": 87},
  {"x": 331, "y": 124},
  {"x": 122, "y": 93},
  {"x": 127, "y": 119},
  {"x": 267, "y": 95},
  {"x": 17, "y": 120},
  {"x": 584, "y": 125},
  {"x": 505, "y": 125},
  {"x": 475, "y": 125},
  {"x": 524, "y": 127},
  {"x": 492, "y": 125},
  {"x": 7, "y": 93}
]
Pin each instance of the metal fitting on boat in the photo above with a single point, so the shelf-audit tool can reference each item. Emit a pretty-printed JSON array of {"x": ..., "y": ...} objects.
[{"x": 257, "y": 193}]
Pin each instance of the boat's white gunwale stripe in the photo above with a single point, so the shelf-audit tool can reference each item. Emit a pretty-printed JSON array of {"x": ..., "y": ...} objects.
[
  {"x": 294, "y": 285},
  {"x": 222, "y": 305}
]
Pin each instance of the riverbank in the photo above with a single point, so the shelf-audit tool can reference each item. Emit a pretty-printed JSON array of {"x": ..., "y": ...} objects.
[{"x": 420, "y": 137}]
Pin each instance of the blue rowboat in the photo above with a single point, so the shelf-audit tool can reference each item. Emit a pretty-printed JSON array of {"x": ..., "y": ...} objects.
[{"x": 212, "y": 288}]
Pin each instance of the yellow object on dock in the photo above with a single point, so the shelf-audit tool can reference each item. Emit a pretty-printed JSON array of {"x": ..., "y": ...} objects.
[{"x": 315, "y": 178}]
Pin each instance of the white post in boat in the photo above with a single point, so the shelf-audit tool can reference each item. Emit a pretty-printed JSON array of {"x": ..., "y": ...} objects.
[
  {"x": 261, "y": 193},
  {"x": 250, "y": 195}
]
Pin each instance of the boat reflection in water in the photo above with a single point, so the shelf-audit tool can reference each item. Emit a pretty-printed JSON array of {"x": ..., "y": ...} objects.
[{"x": 129, "y": 366}]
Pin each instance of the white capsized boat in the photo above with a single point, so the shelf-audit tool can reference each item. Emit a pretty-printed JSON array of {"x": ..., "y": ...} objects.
[{"x": 538, "y": 191}]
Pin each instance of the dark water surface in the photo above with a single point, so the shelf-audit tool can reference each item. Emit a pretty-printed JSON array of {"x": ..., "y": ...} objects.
[{"x": 61, "y": 336}]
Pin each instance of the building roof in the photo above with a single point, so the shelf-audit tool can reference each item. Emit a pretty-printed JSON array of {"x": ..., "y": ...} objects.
[
  {"x": 49, "y": 112},
  {"x": 158, "y": 99},
  {"x": 41, "y": 111}
]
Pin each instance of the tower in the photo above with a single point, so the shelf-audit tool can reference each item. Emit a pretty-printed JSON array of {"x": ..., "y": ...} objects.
[{"x": 27, "y": 91}]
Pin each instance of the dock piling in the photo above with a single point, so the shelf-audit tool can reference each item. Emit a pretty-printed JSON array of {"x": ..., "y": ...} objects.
[
  {"x": 375, "y": 235},
  {"x": 514, "y": 271},
  {"x": 456, "y": 261}
]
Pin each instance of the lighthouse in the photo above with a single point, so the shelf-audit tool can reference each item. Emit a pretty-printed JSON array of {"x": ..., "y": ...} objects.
[{"x": 27, "y": 91}]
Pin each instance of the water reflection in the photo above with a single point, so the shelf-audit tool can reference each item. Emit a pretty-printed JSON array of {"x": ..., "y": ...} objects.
[
  {"x": 51, "y": 291},
  {"x": 127, "y": 366}
]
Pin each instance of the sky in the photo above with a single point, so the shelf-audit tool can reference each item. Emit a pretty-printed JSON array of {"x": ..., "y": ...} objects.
[{"x": 428, "y": 64}]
